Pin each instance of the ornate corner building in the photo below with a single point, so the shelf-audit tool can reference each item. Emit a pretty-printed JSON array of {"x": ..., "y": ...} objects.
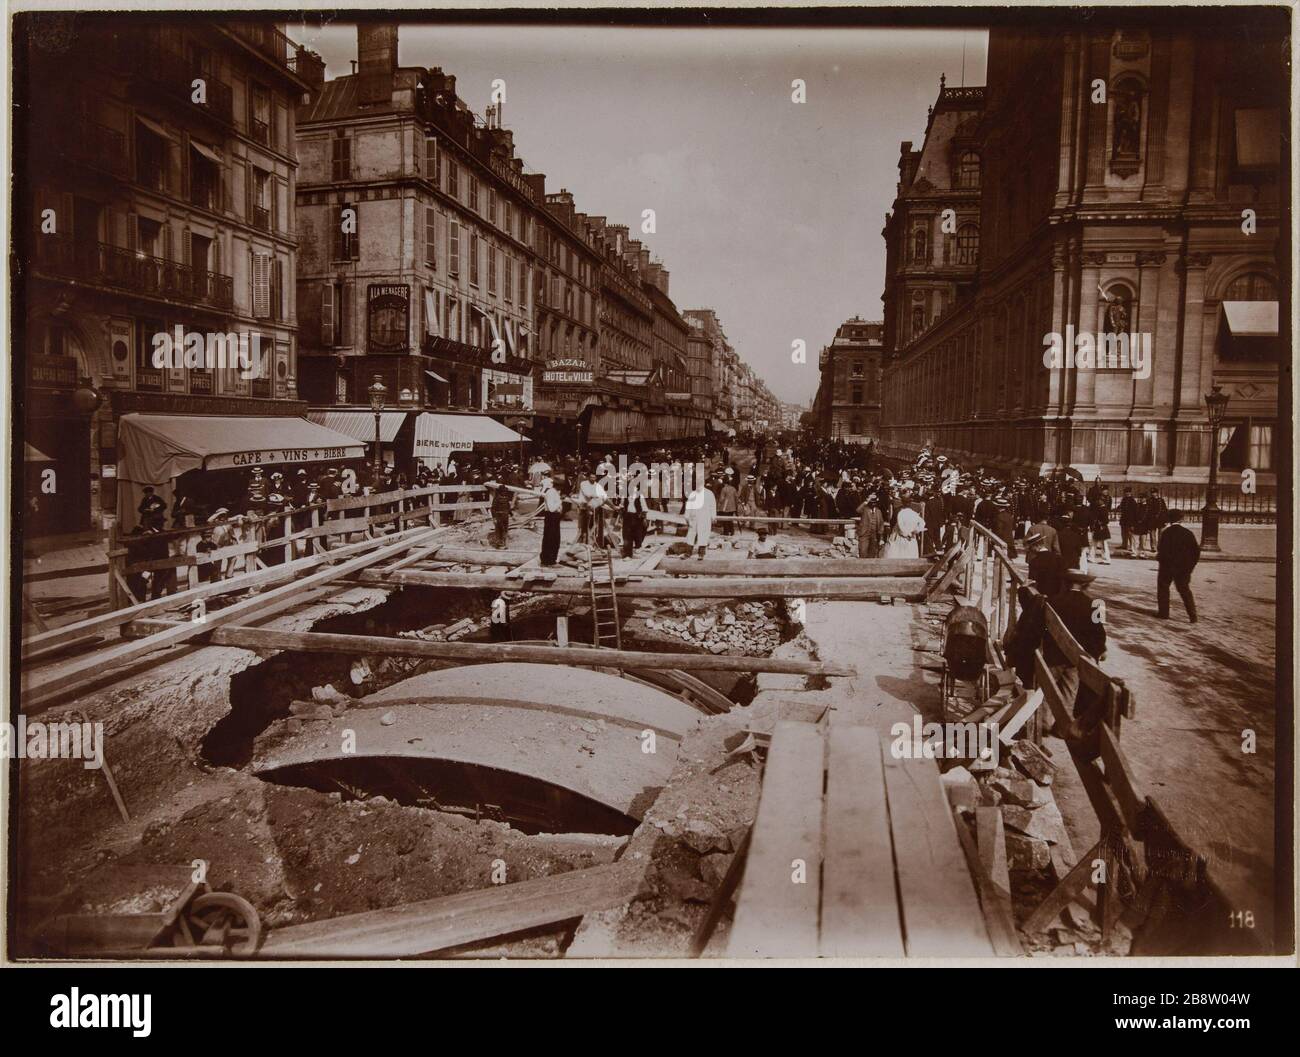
[
  {"x": 1128, "y": 189},
  {"x": 847, "y": 404},
  {"x": 158, "y": 194}
]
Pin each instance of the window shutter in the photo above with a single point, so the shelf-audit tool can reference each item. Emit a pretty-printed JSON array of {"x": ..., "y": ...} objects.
[
  {"x": 261, "y": 285},
  {"x": 185, "y": 248},
  {"x": 345, "y": 316},
  {"x": 327, "y": 314},
  {"x": 132, "y": 231},
  {"x": 167, "y": 246},
  {"x": 431, "y": 237},
  {"x": 248, "y": 193},
  {"x": 453, "y": 248}
]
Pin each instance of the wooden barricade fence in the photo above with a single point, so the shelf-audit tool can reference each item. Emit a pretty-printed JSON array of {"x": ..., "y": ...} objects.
[
  {"x": 283, "y": 535},
  {"x": 1140, "y": 871}
]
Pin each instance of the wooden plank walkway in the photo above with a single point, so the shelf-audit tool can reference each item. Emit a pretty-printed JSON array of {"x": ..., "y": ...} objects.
[{"x": 876, "y": 835}]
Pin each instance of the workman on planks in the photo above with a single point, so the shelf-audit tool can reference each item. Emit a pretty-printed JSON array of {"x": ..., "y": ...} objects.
[{"x": 552, "y": 513}]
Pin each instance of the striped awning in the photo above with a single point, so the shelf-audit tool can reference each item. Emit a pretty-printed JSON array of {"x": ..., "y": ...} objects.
[{"x": 360, "y": 424}]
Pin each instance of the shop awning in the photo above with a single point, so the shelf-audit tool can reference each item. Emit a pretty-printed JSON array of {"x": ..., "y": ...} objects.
[
  {"x": 437, "y": 377},
  {"x": 206, "y": 151},
  {"x": 720, "y": 426},
  {"x": 1251, "y": 319},
  {"x": 156, "y": 448},
  {"x": 437, "y": 436},
  {"x": 32, "y": 453},
  {"x": 360, "y": 425}
]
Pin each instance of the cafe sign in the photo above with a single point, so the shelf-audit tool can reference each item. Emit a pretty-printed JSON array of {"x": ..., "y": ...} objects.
[
  {"x": 568, "y": 372},
  {"x": 279, "y": 456}
]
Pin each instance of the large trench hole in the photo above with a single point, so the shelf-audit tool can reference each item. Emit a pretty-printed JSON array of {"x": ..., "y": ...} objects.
[{"x": 525, "y": 803}]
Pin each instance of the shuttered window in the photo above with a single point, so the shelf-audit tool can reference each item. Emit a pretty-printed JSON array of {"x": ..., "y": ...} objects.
[
  {"x": 453, "y": 248},
  {"x": 327, "y": 314},
  {"x": 341, "y": 159},
  {"x": 431, "y": 237},
  {"x": 260, "y": 273}
]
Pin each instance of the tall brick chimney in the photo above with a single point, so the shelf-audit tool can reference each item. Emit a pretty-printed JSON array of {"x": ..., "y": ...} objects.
[{"x": 377, "y": 61}]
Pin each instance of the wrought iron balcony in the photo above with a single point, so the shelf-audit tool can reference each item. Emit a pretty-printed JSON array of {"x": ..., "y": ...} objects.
[
  {"x": 97, "y": 146},
  {"x": 269, "y": 41},
  {"x": 99, "y": 264}
]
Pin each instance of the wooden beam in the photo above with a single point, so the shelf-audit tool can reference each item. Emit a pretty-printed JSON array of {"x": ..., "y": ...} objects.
[
  {"x": 91, "y": 668},
  {"x": 777, "y": 912},
  {"x": 941, "y": 912},
  {"x": 815, "y": 567},
  {"x": 454, "y": 921},
  {"x": 860, "y": 917},
  {"x": 910, "y": 588},
  {"x": 996, "y": 903},
  {"x": 242, "y": 582},
  {"x": 487, "y": 652}
]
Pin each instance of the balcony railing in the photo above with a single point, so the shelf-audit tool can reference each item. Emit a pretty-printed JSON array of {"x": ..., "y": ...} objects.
[
  {"x": 173, "y": 73},
  {"x": 100, "y": 264},
  {"x": 89, "y": 143},
  {"x": 261, "y": 218},
  {"x": 269, "y": 41}
]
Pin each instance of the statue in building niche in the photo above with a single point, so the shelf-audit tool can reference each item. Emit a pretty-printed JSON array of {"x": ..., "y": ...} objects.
[
  {"x": 1126, "y": 138},
  {"x": 1119, "y": 312}
]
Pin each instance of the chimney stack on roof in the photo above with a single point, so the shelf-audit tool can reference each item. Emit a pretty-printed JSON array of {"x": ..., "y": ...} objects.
[{"x": 377, "y": 55}]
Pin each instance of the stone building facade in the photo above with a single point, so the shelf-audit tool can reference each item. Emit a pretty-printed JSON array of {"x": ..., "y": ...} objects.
[
  {"x": 417, "y": 232},
  {"x": 1149, "y": 211},
  {"x": 160, "y": 187},
  {"x": 847, "y": 405}
]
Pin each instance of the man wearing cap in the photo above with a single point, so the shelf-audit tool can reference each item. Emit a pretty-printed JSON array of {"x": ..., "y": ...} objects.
[
  {"x": 151, "y": 504},
  {"x": 1128, "y": 521},
  {"x": 1177, "y": 555},
  {"x": 871, "y": 527}
]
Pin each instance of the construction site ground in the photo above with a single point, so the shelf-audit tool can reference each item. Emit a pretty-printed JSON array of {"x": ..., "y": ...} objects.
[{"x": 179, "y": 736}]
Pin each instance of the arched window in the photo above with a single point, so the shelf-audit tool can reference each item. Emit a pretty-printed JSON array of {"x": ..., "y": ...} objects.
[
  {"x": 1253, "y": 286},
  {"x": 918, "y": 321},
  {"x": 968, "y": 244},
  {"x": 968, "y": 169},
  {"x": 919, "y": 244}
]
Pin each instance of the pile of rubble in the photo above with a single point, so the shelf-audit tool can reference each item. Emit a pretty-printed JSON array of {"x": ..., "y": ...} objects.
[
  {"x": 751, "y": 629},
  {"x": 1038, "y": 848}
]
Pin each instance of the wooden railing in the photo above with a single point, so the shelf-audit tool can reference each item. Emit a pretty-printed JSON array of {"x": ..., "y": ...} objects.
[
  {"x": 281, "y": 536},
  {"x": 1153, "y": 881}
]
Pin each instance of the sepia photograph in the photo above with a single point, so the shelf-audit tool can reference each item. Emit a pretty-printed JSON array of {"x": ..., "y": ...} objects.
[{"x": 606, "y": 486}]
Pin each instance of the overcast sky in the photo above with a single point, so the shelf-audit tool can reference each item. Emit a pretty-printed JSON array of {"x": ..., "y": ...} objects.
[{"x": 767, "y": 211}]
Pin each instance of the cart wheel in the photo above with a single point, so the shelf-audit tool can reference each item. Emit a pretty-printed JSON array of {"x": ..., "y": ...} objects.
[{"x": 226, "y": 920}]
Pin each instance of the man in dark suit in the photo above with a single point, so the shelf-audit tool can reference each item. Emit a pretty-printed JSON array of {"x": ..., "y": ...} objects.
[
  {"x": 1176, "y": 555},
  {"x": 1129, "y": 515}
]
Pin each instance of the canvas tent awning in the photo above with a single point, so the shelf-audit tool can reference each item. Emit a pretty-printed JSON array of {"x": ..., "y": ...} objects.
[
  {"x": 437, "y": 436},
  {"x": 154, "y": 127},
  {"x": 436, "y": 376},
  {"x": 360, "y": 425},
  {"x": 32, "y": 453},
  {"x": 206, "y": 151},
  {"x": 156, "y": 449},
  {"x": 1251, "y": 319}
]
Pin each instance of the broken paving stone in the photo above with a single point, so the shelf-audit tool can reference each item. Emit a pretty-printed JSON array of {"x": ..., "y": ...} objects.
[
  {"x": 1026, "y": 853},
  {"x": 1033, "y": 761},
  {"x": 714, "y": 867},
  {"x": 961, "y": 787},
  {"x": 1023, "y": 792},
  {"x": 1045, "y": 823},
  {"x": 687, "y": 889},
  {"x": 327, "y": 694},
  {"x": 704, "y": 837}
]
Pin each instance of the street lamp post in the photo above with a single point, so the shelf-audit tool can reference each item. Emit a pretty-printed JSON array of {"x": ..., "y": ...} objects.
[
  {"x": 1216, "y": 402},
  {"x": 519, "y": 428},
  {"x": 378, "y": 391}
]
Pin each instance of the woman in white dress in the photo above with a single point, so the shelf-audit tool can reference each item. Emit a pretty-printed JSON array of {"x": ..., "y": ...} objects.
[{"x": 905, "y": 540}]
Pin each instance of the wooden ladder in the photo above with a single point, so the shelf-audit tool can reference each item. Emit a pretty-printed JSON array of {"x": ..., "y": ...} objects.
[{"x": 605, "y": 629}]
